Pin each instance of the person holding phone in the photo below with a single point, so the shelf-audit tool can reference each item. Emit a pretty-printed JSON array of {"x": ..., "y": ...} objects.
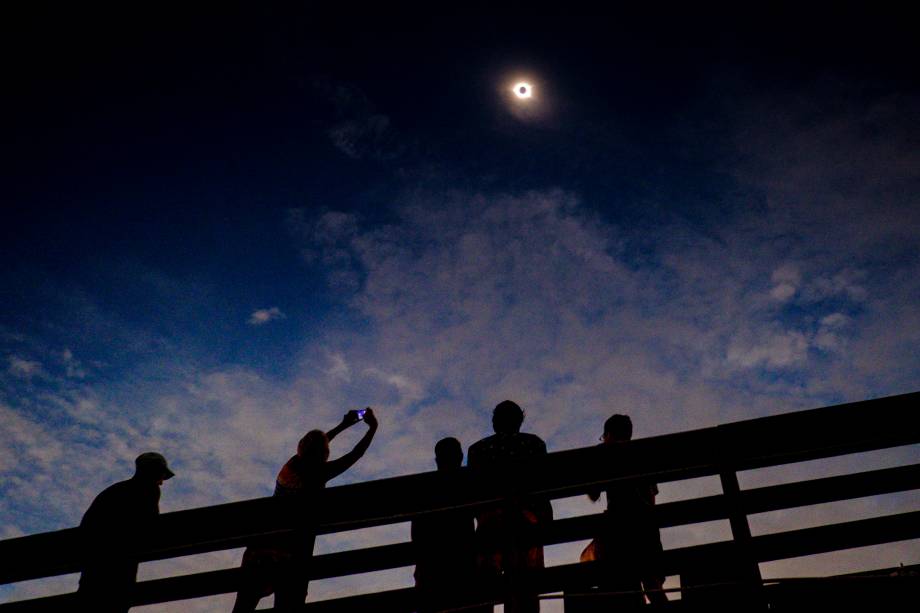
[{"x": 281, "y": 567}]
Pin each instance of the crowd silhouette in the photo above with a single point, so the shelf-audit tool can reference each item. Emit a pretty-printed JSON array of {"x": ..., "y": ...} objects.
[{"x": 461, "y": 557}]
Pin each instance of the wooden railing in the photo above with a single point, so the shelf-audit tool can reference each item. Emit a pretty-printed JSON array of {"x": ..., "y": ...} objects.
[{"x": 718, "y": 451}]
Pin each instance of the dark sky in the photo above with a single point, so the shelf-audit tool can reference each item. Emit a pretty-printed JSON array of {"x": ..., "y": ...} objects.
[{"x": 177, "y": 138}]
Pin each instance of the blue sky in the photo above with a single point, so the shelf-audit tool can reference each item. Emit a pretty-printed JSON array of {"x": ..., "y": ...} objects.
[{"x": 216, "y": 242}]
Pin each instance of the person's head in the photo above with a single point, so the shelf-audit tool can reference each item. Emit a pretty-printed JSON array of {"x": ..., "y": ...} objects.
[
  {"x": 507, "y": 417},
  {"x": 617, "y": 429},
  {"x": 448, "y": 454},
  {"x": 314, "y": 446},
  {"x": 151, "y": 466}
]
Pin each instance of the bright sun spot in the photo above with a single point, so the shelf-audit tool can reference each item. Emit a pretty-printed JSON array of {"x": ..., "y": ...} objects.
[{"x": 523, "y": 90}]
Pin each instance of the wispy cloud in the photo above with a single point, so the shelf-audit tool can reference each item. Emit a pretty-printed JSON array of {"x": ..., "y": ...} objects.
[
  {"x": 358, "y": 130},
  {"x": 355, "y": 138},
  {"x": 23, "y": 368},
  {"x": 260, "y": 317},
  {"x": 72, "y": 366}
]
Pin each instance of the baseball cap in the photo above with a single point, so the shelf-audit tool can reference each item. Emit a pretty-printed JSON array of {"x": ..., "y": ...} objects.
[{"x": 152, "y": 459}]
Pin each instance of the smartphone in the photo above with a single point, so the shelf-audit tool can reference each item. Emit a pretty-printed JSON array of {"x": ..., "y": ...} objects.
[{"x": 360, "y": 413}]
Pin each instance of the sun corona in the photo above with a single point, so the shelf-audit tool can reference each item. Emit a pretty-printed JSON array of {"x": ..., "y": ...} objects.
[{"x": 523, "y": 90}]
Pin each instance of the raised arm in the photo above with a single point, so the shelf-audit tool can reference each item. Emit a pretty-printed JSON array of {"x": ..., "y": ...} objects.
[
  {"x": 336, "y": 467},
  {"x": 350, "y": 419}
]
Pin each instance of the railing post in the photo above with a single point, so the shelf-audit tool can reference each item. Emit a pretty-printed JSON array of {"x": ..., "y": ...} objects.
[
  {"x": 731, "y": 582},
  {"x": 741, "y": 530},
  {"x": 745, "y": 566}
]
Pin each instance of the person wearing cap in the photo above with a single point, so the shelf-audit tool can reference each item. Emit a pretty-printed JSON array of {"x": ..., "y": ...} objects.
[{"x": 114, "y": 523}]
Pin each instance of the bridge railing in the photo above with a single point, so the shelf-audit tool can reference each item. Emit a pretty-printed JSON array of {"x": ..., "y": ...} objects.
[{"x": 720, "y": 451}]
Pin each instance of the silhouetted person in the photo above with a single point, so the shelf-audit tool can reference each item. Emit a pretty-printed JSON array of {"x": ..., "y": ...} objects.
[
  {"x": 445, "y": 550},
  {"x": 114, "y": 524},
  {"x": 281, "y": 567},
  {"x": 630, "y": 545},
  {"x": 508, "y": 536}
]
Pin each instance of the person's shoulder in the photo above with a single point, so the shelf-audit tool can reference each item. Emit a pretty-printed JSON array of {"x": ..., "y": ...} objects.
[
  {"x": 479, "y": 451},
  {"x": 482, "y": 443},
  {"x": 116, "y": 490},
  {"x": 533, "y": 440},
  {"x": 291, "y": 469},
  {"x": 108, "y": 500}
]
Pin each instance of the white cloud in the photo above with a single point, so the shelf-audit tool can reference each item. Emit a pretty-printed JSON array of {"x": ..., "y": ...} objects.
[
  {"x": 338, "y": 369},
  {"x": 783, "y": 291},
  {"x": 844, "y": 177},
  {"x": 773, "y": 351},
  {"x": 786, "y": 280},
  {"x": 834, "y": 320},
  {"x": 846, "y": 283},
  {"x": 261, "y": 317},
  {"x": 478, "y": 298},
  {"x": 325, "y": 241},
  {"x": 24, "y": 441},
  {"x": 72, "y": 366},
  {"x": 831, "y": 333},
  {"x": 23, "y": 368},
  {"x": 409, "y": 390},
  {"x": 787, "y": 273}
]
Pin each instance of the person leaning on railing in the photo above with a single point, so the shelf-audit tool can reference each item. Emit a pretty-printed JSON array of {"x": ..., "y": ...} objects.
[
  {"x": 281, "y": 567},
  {"x": 114, "y": 524},
  {"x": 630, "y": 544},
  {"x": 445, "y": 547}
]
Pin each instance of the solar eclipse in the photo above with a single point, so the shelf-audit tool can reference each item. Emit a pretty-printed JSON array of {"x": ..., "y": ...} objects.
[{"x": 523, "y": 90}]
